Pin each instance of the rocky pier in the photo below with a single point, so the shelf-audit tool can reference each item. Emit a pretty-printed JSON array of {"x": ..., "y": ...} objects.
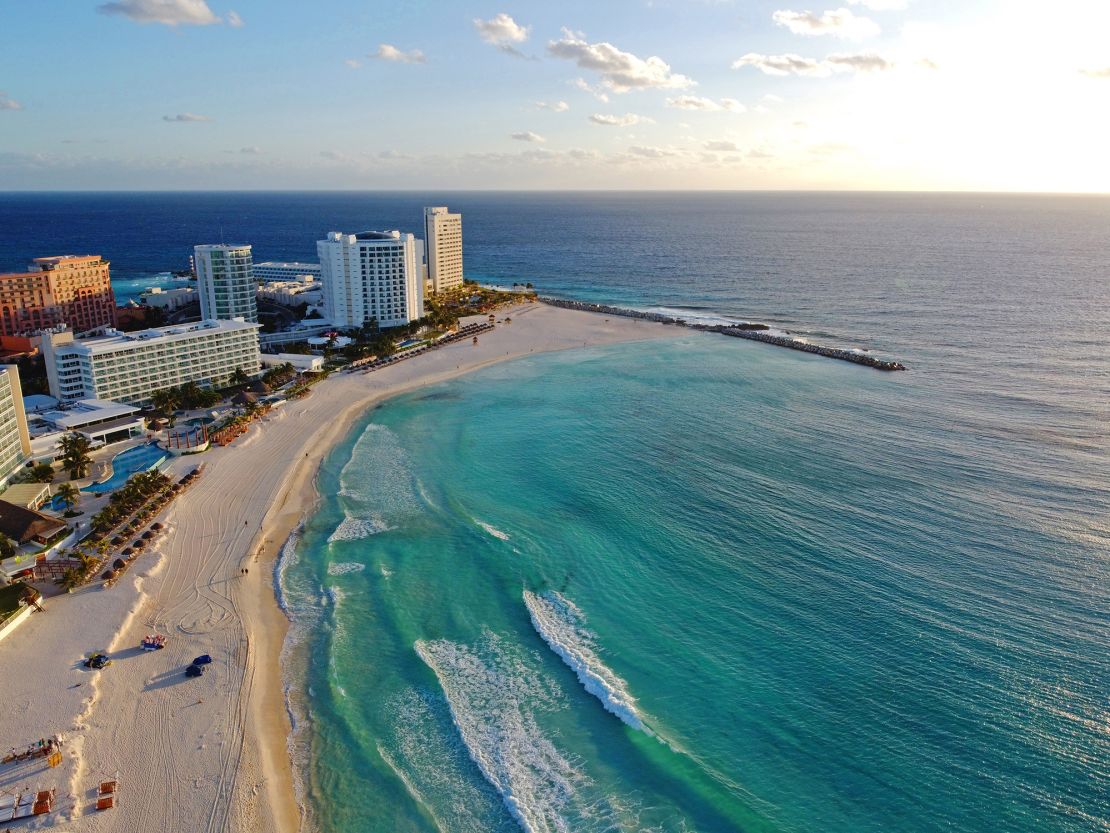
[{"x": 749, "y": 330}]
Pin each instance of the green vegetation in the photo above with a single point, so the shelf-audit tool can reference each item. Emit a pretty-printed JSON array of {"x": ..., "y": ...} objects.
[
  {"x": 42, "y": 473},
  {"x": 280, "y": 375},
  {"x": 69, "y": 495},
  {"x": 7, "y": 546},
  {"x": 134, "y": 495},
  {"x": 189, "y": 395},
  {"x": 75, "y": 455}
]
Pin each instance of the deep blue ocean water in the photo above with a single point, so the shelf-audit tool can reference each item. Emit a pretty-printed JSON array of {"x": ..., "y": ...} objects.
[{"x": 706, "y": 585}]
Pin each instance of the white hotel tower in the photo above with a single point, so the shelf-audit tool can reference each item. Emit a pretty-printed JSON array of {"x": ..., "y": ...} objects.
[
  {"x": 225, "y": 282},
  {"x": 371, "y": 275},
  {"x": 443, "y": 238}
]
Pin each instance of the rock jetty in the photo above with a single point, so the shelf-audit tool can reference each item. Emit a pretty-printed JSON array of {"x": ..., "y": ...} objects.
[{"x": 749, "y": 330}]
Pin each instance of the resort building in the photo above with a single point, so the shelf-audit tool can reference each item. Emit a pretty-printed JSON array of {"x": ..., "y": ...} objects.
[
  {"x": 443, "y": 241},
  {"x": 271, "y": 270},
  {"x": 292, "y": 293},
  {"x": 226, "y": 282},
  {"x": 69, "y": 290},
  {"x": 129, "y": 367},
  {"x": 15, "y": 441},
  {"x": 371, "y": 276},
  {"x": 302, "y": 363},
  {"x": 101, "y": 421},
  {"x": 169, "y": 299}
]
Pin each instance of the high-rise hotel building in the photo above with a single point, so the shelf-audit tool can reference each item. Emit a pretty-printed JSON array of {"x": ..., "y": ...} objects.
[
  {"x": 443, "y": 241},
  {"x": 129, "y": 367},
  {"x": 372, "y": 275},
  {"x": 15, "y": 441},
  {"x": 68, "y": 289},
  {"x": 226, "y": 282}
]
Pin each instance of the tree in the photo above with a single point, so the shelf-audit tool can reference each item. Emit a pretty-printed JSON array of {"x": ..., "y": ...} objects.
[
  {"x": 7, "y": 548},
  {"x": 69, "y": 495},
  {"x": 166, "y": 400},
  {"x": 42, "y": 473},
  {"x": 239, "y": 378},
  {"x": 71, "y": 579},
  {"x": 75, "y": 454}
]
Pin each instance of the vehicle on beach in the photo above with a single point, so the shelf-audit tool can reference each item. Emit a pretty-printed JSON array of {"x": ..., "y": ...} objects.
[
  {"x": 97, "y": 660},
  {"x": 153, "y": 642},
  {"x": 194, "y": 671}
]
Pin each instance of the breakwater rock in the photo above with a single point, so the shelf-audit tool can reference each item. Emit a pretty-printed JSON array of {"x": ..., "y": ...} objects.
[{"x": 749, "y": 330}]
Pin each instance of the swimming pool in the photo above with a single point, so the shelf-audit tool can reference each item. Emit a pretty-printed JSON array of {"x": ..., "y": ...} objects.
[{"x": 126, "y": 463}]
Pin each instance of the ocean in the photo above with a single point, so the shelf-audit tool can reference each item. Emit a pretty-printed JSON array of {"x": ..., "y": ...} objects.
[{"x": 706, "y": 584}]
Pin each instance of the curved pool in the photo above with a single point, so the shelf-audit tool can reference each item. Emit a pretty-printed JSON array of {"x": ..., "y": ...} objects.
[{"x": 126, "y": 463}]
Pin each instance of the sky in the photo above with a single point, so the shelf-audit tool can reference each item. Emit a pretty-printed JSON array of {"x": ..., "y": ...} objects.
[{"x": 979, "y": 95}]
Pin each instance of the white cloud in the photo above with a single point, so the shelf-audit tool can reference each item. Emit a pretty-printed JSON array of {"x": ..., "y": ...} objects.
[
  {"x": 351, "y": 63},
  {"x": 7, "y": 103},
  {"x": 584, "y": 86},
  {"x": 251, "y": 150},
  {"x": 724, "y": 147},
  {"x": 166, "y": 12},
  {"x": 556, "y": 106},
  {"x": 839, "y": 22},
  {"x": 708, "y": 105},
  {"x": 881, "y": 5},
  {"x": 186, "y": 117},
  {"x": 1104, "y": 72},
  {"x": 796, "y": 65},
  {"x": 502, "y": 31},
  {"x": 234, "y": 20},
  {"x": 583, "y": 154},
  {"x": 627, "y": 120},
  {"x": 651, "y": 152},
  {"x": 772, "y": 97},
  {"x": 529, "y": 136},
  {"x": 620, "y": 71},
  {"x": 389, "y": 52}
]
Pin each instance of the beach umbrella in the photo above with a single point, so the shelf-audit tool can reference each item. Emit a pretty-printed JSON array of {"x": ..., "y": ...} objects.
[
  {"x": 117, "y": 541},
  {"x": 139, "y": 544},
  {"x": 108, "y": 575},
  {"x": 127, "y": 552},
  {"x": 156, "y": 526},
  {"x": 119, "y": 564},
  {"x": 148, "y": 535}
]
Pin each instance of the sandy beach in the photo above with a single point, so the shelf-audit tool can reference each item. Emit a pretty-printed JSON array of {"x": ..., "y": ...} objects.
[{"x": 211, "y": 754}]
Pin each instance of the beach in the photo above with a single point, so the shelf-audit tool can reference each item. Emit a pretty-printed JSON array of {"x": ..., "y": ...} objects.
[{"x": 211, "y": 754}]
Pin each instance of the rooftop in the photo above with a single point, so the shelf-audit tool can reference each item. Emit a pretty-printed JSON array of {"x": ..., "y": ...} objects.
[{"x": 116, "y": 340}]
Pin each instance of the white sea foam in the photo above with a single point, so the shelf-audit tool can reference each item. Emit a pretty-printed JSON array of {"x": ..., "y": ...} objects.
[
  {"x": 493, "y": 698},
  {"x": 562, "y": 626},
  {"x": 354, "y": 529},
  {"x": 492, "y": 530},
  {"x": 386, "y": 572},
  {"x": 379, "y": 479},
  {"x": 345, "y": 567}
]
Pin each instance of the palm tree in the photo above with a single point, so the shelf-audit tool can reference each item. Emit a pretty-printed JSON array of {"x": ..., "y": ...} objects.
[
  {"x": 239, "y": 378},
  {"x": 7, "y": 548},
  {"x": 165, "y": 400},
  {"x": 75, "y": 455},
  {"x": 69, "y": 495},
  {"x": 71, "y": 579},
  {"x": 42, "y": 473}
]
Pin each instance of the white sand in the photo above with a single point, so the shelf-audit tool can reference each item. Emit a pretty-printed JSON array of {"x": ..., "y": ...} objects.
[{"x": 210, "y": 754}]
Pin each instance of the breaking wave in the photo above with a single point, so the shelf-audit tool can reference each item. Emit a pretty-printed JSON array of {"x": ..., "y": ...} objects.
[
  {"x": 494, "y": 698},
  {"x": 353, "y": 529},
  {"x": 492, "y": 530},
  {"x": 345, "y": 567},
  {"x": 562, "y": 626}
]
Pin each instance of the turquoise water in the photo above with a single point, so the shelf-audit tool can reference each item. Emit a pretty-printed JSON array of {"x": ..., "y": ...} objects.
[
  {"x": 126, "y": 463},
  {"x": 702, "y": 585}
]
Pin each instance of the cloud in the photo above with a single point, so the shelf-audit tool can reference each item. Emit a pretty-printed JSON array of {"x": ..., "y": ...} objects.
[
  {"x": 724, "y": 147},
  {"x": 584, "y": 85},
  {"x": 166, "y": 12},
  {"x": 556, "y": 106},
  {"x": 868, "y": 62},
  {"x": 352, "y": 63},
  {"x": 583, "y": 154},
  {"x": 796, "y": 65},
  {"x": 707, "y": 105},
  {"x": 251, "y": 150},
  {"x": 772, "y": 97},
  {"x": 502, "y": 31},
  {"x": 620, "y": 71},
  {"x": 881, "y": 5},
  {"x": 186, "y": 117},
  {"x": 840, "y": 22},
  {"x": 389, "y": 52},
  {"x": 7, "y": 103},
  {"x": 651, "y": 152},
  {"x": 234, "y": 20},
  {"x": 627, "y": 120},
  {"x": 529, "y": 136},
  {"x": 1104, "y": 72}
]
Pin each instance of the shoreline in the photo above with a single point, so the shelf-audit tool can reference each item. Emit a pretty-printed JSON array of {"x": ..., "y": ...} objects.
[{"x": 220, "y": 745}]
